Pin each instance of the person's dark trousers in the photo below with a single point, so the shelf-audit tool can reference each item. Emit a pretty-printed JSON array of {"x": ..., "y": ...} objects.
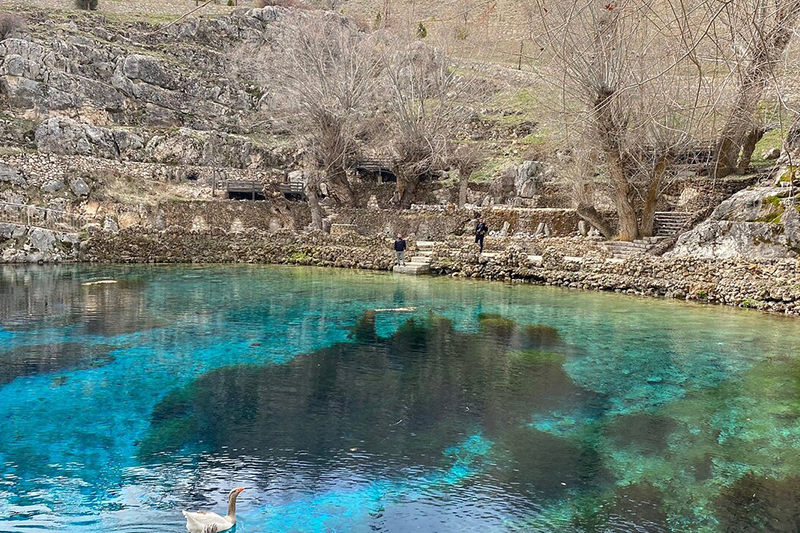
[{"x": 479, "y": 240}]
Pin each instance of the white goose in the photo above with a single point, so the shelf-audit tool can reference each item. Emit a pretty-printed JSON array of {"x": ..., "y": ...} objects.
[{"x": 203, "y": 522}]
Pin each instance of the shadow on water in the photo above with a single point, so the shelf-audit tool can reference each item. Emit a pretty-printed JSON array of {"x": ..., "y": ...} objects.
[{"x": 398, "y": 401}]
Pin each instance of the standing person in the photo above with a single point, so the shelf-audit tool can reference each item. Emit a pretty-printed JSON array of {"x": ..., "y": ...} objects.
[
  {"x": 400, "y": 249},
  {"x": 480, "y": 232}
]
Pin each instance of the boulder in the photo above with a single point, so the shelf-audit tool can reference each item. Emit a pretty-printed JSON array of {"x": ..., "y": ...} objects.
[
  {"x": 9, "y": 174},
  {"x": 42, "y": 239},
  {"x": 756, "y": 223},
  {"x": 79, "y": 186},
  {"x": 7, "y": 231},
  {"x": 149, "y": 70},
  {"x": 750, "y": 205},
  {"x": 110, "y": 225},
  {"x": 52, "y": 186},
  {"x": 60, "y": 135},
  {"x": 773, "y": 153}
]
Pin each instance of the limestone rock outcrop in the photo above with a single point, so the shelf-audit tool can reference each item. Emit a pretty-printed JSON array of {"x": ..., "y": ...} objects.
[{"x": 757, "y": 223}]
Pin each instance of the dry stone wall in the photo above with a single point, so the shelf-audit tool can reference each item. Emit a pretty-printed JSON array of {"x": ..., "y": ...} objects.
[
  {"x": 438, "y": 222},
  {"x": 252, "y": 246},
  {"x": 770, "y": 285}
]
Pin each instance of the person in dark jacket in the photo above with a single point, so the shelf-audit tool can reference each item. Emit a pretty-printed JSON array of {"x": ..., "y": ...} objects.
[
  {"x": 480, "y": 232},
  {"x": 400, "y": 249}
]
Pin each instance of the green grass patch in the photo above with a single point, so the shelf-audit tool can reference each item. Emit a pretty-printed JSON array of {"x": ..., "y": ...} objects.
[
  {"x": 492, "y": 166},
  {"x": 748, "y": 303},
  {"x": 771, "y": 139}
]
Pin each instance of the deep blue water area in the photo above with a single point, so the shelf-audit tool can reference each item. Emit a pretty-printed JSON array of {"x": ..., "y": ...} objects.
[{"x": 349, "y": 401}]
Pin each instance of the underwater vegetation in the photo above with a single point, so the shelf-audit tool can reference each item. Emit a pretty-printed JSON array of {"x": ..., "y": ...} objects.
[
  {"x": 479, "y": 407},
  {"x": 675, "y": 459},
  {"x": 401, "y": 400}
]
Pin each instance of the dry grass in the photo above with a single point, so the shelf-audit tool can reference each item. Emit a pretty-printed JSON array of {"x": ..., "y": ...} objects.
[{"x": 146, "y": 10}]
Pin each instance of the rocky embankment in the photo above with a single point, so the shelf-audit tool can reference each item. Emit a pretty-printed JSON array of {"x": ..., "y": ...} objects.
[{"x": 769, "y": 285}]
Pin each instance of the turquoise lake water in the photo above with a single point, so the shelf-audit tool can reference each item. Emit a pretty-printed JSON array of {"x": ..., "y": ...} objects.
[{"x": 487, "y": 408}]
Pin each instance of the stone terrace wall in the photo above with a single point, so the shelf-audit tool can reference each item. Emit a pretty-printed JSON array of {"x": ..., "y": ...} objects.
[
  {"x": 766, "y": 285},
  {"x": 135, "y": 245},
  {"x": 436, "y": 223},
  {"x": 233, "y": 215}
]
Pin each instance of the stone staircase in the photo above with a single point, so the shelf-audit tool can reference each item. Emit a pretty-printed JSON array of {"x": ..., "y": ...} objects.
[
  {"x": 668, "y": 223},
  {"x": 623, "y": 249},
  {"x": 420, "y": 263}
]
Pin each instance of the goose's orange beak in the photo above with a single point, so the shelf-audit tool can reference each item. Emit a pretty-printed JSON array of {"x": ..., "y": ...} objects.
[{"x": 239, "y": 490}]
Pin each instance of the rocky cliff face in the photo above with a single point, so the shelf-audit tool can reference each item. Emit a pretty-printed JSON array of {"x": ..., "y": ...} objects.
[
  {"x": 93, "y": 87},
  {"x": 757, "y": 223},
  {"x": 107, "y": 118}
]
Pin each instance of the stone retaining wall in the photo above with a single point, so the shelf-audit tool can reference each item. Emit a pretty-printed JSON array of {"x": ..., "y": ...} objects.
[
  {"x": 766, "y": 285},
  {"x": 136, "y": 245},
  {"x": 437, "y": 223},
  {"x": 233, "y": 215}
]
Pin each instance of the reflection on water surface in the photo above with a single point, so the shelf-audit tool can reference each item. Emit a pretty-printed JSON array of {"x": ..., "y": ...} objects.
[{"x": 488, "y": 408}]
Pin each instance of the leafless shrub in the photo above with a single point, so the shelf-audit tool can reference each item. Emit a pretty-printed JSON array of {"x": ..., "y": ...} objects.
[
  {"x": 9, "y": 23},
  {"x": 427, "y": 102}
]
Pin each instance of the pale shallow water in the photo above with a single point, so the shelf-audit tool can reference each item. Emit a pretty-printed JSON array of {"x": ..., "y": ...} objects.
[{"x": 490, "y": 407}]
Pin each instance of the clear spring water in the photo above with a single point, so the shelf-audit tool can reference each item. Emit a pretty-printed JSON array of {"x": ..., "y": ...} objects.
[{"x": 488, "y": 408}]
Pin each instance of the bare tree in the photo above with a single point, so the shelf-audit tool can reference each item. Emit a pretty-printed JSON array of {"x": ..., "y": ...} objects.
[
  {"x": 627, "y": 85},
  {"x": 426, "y": 106},
  {"x": 750, "y": 37},
  {"x": 467, "y": 159},
  {"x": 321, "y": 80}
]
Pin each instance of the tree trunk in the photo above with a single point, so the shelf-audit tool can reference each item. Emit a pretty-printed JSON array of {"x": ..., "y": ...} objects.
[
  {"x": 463, "y": 188},
  {"x": 610, "y": 132},
  {"x": 628, "y": 228},
  {"x": 651, "y": 199},
  {"x": 590, "y": 215},
  {"x": 341, "y": 185},
  {"x": 748, "y": 147},
  {"x": 313, "y": 203},
  {"x": 739, "y": 123},
  {"x": 407, "y": 181}
]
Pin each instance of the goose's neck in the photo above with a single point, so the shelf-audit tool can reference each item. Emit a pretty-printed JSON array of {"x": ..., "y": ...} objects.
[{"x": 232, "y": 508}]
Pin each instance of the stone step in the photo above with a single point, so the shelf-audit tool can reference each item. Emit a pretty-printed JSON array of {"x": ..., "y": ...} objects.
[
  {"x": 672, "y": 214},
  {"x": 423, "y": 260},
  {"x": 412, "y": 269},
  {"x": 425, "y": 245}
]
